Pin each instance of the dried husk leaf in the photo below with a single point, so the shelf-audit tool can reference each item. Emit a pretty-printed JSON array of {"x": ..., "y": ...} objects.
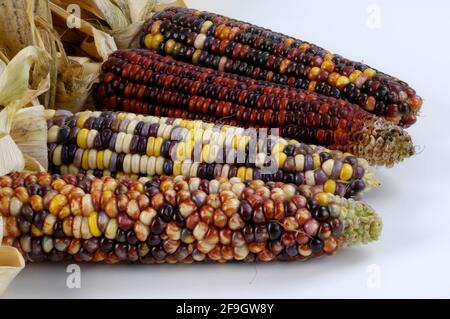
[
  {"x": 162, "y": 4},
  {"x": 17, "y": 31},
  {"x": 76, "y": 83},
  {"x": 103, "y": 9},
  {"x": 76, "y": 76},
  {"x": 11, "y": 264},
  {"x": 14, "y": 94},
  {"x": 96, "y": 43},
  {"x": 29, "y": 132},
  {"x": 135, "y": 12},
  {"x": 14, "y": 81}
]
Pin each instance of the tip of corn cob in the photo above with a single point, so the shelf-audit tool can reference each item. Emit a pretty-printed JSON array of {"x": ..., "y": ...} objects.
[
  {"x": 383, "y": 143},
  {"x": 362, "y": 224},
  {"x": 371, "y": 180}
]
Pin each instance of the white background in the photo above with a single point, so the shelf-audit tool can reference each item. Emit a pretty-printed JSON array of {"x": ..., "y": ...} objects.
[{"x": 412, "y": 257}]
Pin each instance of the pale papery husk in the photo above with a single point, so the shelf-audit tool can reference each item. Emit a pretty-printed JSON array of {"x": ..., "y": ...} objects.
[
  {"x": 18, "y": 30},
  {"x": 126, "y": 24}
]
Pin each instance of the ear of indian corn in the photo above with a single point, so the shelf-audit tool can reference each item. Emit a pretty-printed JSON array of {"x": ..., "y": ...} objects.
[
  {"x": 175, "y": 219},
  {"x": 234, "y": 46},
  {"x": 142, "y": 81},
  {"x": 109, "y": 143}
]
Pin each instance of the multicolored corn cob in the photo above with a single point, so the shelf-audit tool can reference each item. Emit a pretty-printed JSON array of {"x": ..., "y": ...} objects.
[
  {"x": 142, "y": 81},
  {"x": 234, "y": 46},
  {"x": 175, "y": 220},
  {"x": 109, "y": 143}
]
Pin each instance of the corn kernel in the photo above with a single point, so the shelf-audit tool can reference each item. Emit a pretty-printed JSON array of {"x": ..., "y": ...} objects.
[
  {"x": 100, "y": 160},
  {"x": 323, "y": 198},
  {"x": 93, "y": 225},
  {"x": 314, "y": 73},
  {"x": 150, "y": 146},
  {"x": 280, "y": 158},
  {"x": 370, "y": 73},
  {"x": 354, "y": 76},
  {"x": 316, "y": 160},
  {"x": 57, "y": 203},
  {"x": 148, "y": 40},
  {"x": 342, "y": 82},
  {"x": 241, "y": 173},
  {"x": 82, "y": 138},
  {"x": 346, "y": 172},
  {"x": 156, "y": 41},
  {"x": 330, "y": 186}
]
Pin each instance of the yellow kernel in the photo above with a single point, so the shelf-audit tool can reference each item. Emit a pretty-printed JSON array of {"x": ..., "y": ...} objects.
[
  {"x": 148, "y": 41},
  {"x": 323, "y": 198},
  {"x": 283, "y": 65},
  {"x": 249, "y": 174},
  {"x": 196, "y": 56},
  {"x": 156, "y": 40},
  {"x": 342, "y": 81},
  {"x": 314, "y": 73},
  {"x": 328, "y": 66},
  {"x": 168, "y": 47},
  {"x": 181, "y": 151},
  {"x": 328, "y": 56},
  {"x": 370, "y": 73},
  {"x": 241, "y": 173},
  {"x": 346, "y": 172},
  {"x": 82, "y": 138},
  {"x": 150, "y": 145},
  {"x": 57, "y": 203},
  {"x": 280, "y": 157},
  {"x": 100, "y": 160},
  {"x": 288, "y": 41},
  {"x": 316, "y": 160},
  {"x": 93, "y": 226},
  {"x": 36, "y": 203},
  {"x": 304, "y": 46},
  {"x": 354, "y": 76},
  {"x": 176, "y": 168},
  {"x": 184, "y": 123},
  {"x": 278, "y": 147},
  {"x": 312, "y": 86},
  {"x": 85, "y": 160},
  {"x": 292, "y": 141},
  {"x": 205, "y": 153},
  {"x": 81, "y": 119},
  {"x": 189, "y": 149},
  {"x": 235, "y": 141},
  {"x": 330, "y": 186}
]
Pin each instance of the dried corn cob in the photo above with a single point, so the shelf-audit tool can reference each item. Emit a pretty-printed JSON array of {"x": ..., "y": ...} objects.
[
  {"x": 175, "y": 220},
  {"x": 141, "y": 81},
  {"x": 230, "y": 45},
  {"x": 107, "y": 143}
]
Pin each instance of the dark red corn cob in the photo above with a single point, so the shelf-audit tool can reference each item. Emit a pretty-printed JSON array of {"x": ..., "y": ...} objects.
[
  {"x": 234, "y": 46},
  {"x": 142, "y": 81}
]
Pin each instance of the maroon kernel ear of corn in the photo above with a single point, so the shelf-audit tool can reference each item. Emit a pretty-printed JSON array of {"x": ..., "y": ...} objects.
[
  {"x": 225, "y": 44},
  {"x": 109, "y": 143},
  {"x": 176, "y": 220},
  {"x": 144, "y": 82}
]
